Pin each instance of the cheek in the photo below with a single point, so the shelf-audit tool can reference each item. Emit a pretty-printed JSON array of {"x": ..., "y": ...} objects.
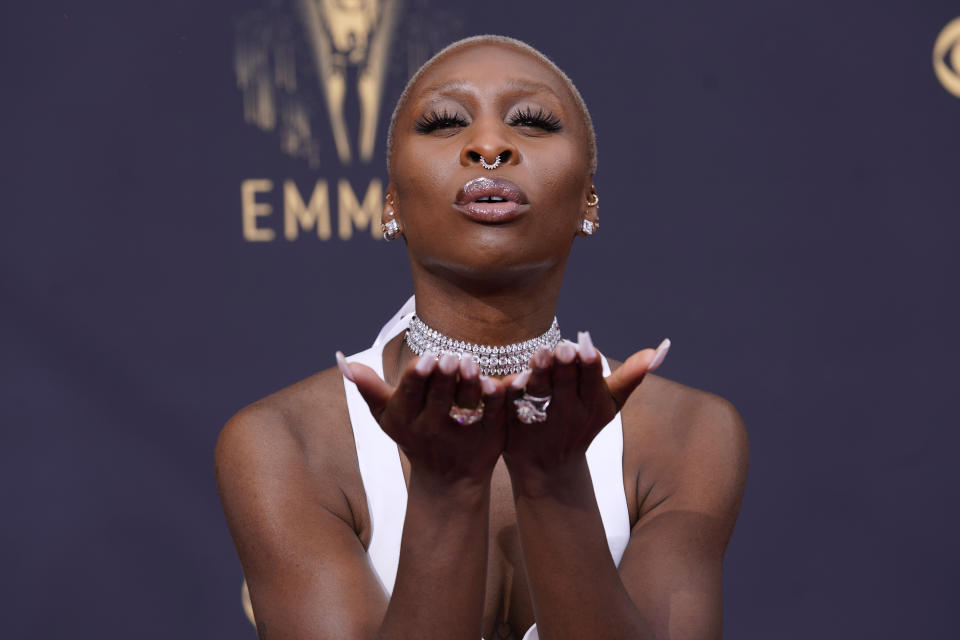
[
  {"x": 561, "y": 177},
  {"x": 420, "y": 173}
]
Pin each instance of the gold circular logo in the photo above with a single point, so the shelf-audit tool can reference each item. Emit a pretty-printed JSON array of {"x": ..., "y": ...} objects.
[
  {"x": 946, "y": 57},
  {"x": 247, "y": 605}
]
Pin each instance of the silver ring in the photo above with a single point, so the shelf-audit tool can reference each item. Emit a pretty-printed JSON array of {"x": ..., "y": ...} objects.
[
  {"x": 532, "y": 409},
  {"x": 496, "y": 163},
  {"x": 466, "y": 416}
]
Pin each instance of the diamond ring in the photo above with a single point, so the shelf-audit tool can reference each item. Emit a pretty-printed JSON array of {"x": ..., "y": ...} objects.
[
  {"x": 532, "y": 409},
  {"x": 466, "y": 416}
]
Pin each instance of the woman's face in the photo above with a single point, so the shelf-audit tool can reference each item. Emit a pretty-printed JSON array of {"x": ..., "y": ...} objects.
[{"x": 481, "y": 102}]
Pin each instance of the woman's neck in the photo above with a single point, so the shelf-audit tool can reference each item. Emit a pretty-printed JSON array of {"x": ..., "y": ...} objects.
[
  {"x": 506, "y": 312},
  {"x": 487, "y": 315}
]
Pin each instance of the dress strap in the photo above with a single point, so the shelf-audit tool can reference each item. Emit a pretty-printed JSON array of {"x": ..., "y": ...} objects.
[
  {"x": 605, "y": 460},
  {"x": 379, "y": 461}
]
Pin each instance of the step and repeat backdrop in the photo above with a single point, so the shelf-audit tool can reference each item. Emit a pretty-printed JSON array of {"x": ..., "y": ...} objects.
[{"x": 191, "y": 196}]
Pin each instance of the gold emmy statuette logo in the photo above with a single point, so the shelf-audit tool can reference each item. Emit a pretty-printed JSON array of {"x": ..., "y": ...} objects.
[
  {"x": 347, "y": 42},
  {"x": 946, "y": 57},
  {"x": 351, "y": 33}
]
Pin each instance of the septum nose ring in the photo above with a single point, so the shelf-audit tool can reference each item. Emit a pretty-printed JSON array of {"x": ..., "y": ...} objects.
[{"x": 496, "y": 163}]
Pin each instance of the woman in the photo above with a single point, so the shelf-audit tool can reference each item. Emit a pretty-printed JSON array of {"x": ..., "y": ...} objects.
[{"x": 460, "y": 496}]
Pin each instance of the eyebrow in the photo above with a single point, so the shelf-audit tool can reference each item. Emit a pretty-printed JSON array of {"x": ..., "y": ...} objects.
[{"x": 453, "y": 87}]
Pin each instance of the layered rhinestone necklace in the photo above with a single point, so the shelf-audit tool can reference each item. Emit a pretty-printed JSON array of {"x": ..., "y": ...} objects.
[{"x": 493, "y": 360}]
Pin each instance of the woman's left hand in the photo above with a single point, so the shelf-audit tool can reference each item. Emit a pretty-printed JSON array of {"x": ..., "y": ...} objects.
[{"x": 582, "y": 402}]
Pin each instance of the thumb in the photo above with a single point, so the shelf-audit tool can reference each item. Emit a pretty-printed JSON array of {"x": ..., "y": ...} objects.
[
  {"x": 375, "y": 391},
  {"x": 624, "y": 380}
]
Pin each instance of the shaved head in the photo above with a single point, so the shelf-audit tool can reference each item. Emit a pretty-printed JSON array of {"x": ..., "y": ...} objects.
[{"x": 516, "y": 45}]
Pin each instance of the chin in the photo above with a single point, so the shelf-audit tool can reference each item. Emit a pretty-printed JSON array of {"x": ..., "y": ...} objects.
[{"x": 492, "y": 269}]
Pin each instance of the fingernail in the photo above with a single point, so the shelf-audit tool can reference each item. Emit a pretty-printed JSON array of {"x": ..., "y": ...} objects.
[
  {"x": 521, "y": 380},
  {"x": 566, "y": 352},
  {"x": 468, "y": 367},
  {"x": 541, "y": 359},
  {"x": 659, "y": 356},
  {"x": 344, "y": 367},
  {"x": 425, "y": 363},
  {"x": 587, "y": 351},
  {"x": 489, "y": 386},
  {"x": 449, "y": 363}
]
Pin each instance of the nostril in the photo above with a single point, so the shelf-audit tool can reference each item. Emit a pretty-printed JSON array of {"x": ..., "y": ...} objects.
[{"x": 505, "y": 155}]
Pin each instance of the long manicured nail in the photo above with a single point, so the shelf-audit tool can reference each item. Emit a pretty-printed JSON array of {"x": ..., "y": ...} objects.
[
  {"x": 449, "y": 363},
  {"x": 587, "y": 351},
  {"x": 489, "y": 386},
  {"x": 659, "y": 356},
  {"x": 344, "y": 367},
  {"x": 541, "y": 359},
  {"x": 468, "y": 367},
  {"x": 426, "y": 362},
  {"x": 521, "y": 380},
  {"x": 566, "y": 352}
]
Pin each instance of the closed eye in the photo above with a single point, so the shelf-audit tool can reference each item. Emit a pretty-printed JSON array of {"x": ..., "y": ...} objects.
[
  {"x": 541, "y": 118},
  {"x": 435, "y": 120}
]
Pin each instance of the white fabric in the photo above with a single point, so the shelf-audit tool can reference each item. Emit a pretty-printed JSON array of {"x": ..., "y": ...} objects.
[{"x": 386, "y": 491}]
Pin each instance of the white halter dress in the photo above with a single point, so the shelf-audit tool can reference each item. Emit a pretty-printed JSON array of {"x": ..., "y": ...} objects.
[{"x": 386, "y": 490}]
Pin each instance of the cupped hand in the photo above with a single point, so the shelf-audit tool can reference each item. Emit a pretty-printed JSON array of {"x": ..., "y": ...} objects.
[
  {"x": 416, "y": 414},
  {"x": 582, "y": 402}
]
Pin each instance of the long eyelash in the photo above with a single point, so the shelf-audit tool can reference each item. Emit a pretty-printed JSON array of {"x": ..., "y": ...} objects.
[
  {"x": 442, "y": 120},
  {"x": 543, "y": 119}
]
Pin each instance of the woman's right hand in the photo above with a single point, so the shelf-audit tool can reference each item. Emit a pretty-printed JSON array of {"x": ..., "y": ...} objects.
[{"x": 416, "y": 415}]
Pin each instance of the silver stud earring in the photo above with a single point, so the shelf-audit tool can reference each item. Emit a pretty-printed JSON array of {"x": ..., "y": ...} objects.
[
  {"x": 589, "y": 227},
  {"x": 390, "y": 229}
]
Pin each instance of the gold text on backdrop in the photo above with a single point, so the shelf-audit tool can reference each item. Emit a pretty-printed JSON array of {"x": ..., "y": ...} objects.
[{"x": 313, "y": 213}]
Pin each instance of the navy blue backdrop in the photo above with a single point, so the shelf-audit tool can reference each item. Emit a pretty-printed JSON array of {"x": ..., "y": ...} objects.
[{"x": 780, "y": 197}]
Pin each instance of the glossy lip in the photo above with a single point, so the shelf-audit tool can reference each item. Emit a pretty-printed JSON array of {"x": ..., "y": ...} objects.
[{"x": 513, "y": 205}]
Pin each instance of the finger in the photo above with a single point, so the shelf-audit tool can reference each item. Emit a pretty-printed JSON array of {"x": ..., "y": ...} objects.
[
  {"x": 412, "y": 388},
  {"x": 516, "y": 384},
  {"x": 541, "y": 368},
  {"x": 494, "y": 398},
  {"x": 375, "y": 391},
  {"x": 441, "y": 388},
  {"x": 468, "y": 391},
  {"x": 591, "y": 368},
  {"x": 624, "y": 380},
  {"x": 565, "y": 374}
]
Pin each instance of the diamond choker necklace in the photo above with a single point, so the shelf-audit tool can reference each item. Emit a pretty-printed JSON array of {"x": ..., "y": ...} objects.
[{"x": 492, "y": 360}]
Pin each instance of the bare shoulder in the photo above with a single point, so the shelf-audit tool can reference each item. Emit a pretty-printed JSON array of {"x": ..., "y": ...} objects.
[
  {"x": 685, "y": 416},
  {"x": 293, "y": 499},
  {"x": 297, "y": 439},
  {"x": 686, "y": 445},
  {"x": 288, "y": 421}
]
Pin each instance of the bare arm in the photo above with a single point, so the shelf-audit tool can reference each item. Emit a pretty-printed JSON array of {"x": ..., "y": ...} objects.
[
  {"x": 669, "y": 581},
  {"x": 308, "y": 572},
  {"x": 295, "y": 545},
  {"x": 673, "y": 565}
]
